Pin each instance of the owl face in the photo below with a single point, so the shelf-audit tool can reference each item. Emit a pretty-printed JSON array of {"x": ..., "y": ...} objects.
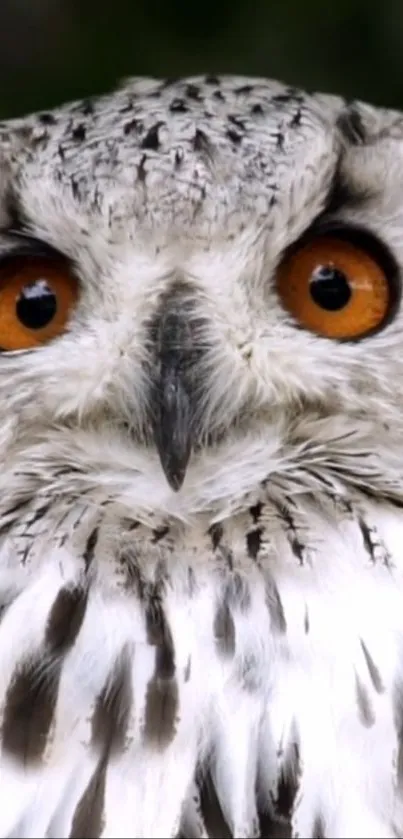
[{"x": 200, "y": 287}]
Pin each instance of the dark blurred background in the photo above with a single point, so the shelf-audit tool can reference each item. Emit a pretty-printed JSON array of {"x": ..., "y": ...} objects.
[{"x": 54, "y": 50}]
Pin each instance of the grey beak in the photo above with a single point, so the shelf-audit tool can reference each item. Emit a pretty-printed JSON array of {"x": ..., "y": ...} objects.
[
  {"x": 172, "y": 432},
  {"x": 172, "y": 408}
]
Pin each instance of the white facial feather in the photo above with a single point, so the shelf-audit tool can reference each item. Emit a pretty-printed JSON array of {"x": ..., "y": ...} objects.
[{"x": 229, "y": 656}]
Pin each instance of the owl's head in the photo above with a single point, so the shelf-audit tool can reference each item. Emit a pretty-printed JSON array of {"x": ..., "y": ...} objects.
[{"x": 200, "y": 288}]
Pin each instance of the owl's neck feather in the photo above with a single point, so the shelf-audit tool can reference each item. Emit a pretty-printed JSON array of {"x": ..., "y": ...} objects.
[{"x": 306, "y": 457}]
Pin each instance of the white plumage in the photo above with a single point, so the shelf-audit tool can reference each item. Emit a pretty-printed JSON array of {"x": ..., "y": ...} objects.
[{"x": 219, "y": 653}]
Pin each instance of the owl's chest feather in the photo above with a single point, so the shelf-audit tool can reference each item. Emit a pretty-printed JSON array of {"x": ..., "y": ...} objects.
[{"x": 262, "y": 650}]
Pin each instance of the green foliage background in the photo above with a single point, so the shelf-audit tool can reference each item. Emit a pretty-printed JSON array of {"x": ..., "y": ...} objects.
[{"x": 51, "y": 50}]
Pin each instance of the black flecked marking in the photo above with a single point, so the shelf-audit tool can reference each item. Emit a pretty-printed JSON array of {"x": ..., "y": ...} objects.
[
  {"x": 79, "y": 133},
  {"x": 297, "y": 547},
  {"x": 218, "y": 94},
  {"x": 282, "y": 98},
  {"x": 351, "y": 127},
  {"x": 274, "y": 828},
  {"x": 160, "y": 533},
  {"x": 179, "y": 157},
  {"x": 367, "y": 538},
  {"x": 256, "y": 512},
  {"x": 318, "y": 827},
  {"x": 156, "y": 624},
  {"x": 161, "y": 710},
  {"x": 178, "y": 106},
  {"x": 275, "y": 607},
  {"x": 373, "y": 670},
  {"x": 216, "y": 533},
  {"x": 165, "y": 657},
  {"x": 296, "y": 120},
  {"x": 90, "y": 547},
  {"x": 25, "y": 554},
  {"x": 47, "y": 119},
  {"x": 213, "y": 816},
  {"x": 253, "y": 542},
  {"x": 288, "y": 784},
  {"x": 234, "y": 136},
  {"x": 162, "y": 698},
  {"x": 202, "y": 144},
  {"x": 75, "y": 189},
  {"x": 193, "y": 92},
  {"x": 88, "y": 818},
  {"x": 365, "y": 710},
  {"x": 257, "y": 109},
  {"x": 67, "y": 470},
  {"x": 29, "y": 710},
  {"x": 244, "y": 90},
  {"x": 66, "y": 618},
  {"x": 141, "y": 169},
  {"x": 134, "y": 577},
  {"x": 112, "y": 710},
  {"x": 134, "y": 126},
  {"x": 151, "y": 140},
  {"x": 279, "y": 138},
  {"x": 396, "y": 502},
  {"x": 237, "y": 122},
  {"x": 38, "y": 514},
  {"x": 16, "y": 508},
  {"x": 224, "y": 630},
  {"x": 212, "y": 80},
  {"x": 306, "y": 621}
]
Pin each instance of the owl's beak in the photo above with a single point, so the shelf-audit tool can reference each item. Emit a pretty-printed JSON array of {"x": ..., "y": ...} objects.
[
  {"x": 172, "y": 427},
  {"x": 172, "y": 401}
]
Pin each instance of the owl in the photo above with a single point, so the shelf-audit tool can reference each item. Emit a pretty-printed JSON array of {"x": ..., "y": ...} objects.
[{"x": 201, "y": 447}]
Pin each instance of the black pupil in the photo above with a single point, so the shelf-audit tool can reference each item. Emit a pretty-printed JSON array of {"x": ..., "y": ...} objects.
[
  {"x": 36, "y": 306},
  {"x": 329, "y": 288}
]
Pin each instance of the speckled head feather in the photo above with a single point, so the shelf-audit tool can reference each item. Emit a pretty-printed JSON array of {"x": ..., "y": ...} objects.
[{"x": 201, "y": 572}]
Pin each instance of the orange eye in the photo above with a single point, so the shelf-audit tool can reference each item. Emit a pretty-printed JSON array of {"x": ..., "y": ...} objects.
[
  {"x": 37, "y": 294},
  {"x": 335, "y": 288}
]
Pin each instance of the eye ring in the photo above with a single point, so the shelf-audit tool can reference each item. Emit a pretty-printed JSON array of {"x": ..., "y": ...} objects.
[
  {"x": 38, "y": 291},
  {"x": 365, "y": 304}
]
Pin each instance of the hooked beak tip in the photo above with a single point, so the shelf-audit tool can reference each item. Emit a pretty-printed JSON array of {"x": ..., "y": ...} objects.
[
  {"x": 174, "y": 466},
  {"x": 175, "y": 477}
]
